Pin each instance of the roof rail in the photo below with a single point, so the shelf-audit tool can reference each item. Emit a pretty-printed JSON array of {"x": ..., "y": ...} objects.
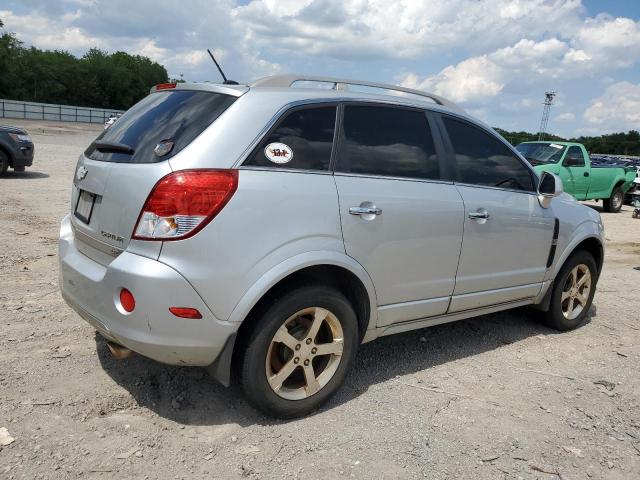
[{"x": 285, "y": 81}]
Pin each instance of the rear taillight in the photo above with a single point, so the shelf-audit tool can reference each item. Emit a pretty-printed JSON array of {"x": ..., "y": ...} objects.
[{"x": 183, "y": 202}]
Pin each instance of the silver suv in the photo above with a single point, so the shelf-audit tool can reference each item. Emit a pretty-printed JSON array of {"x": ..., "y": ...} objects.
[{"x": 270, "y": 229}]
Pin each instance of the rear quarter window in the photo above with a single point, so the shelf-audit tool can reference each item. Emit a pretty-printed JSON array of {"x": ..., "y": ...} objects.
[
  {"x": 178, "y": 116},
  {"x": 303, "y": 140}
]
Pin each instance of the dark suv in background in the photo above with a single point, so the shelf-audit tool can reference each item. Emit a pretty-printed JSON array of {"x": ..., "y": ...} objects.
[{"x": 16, "y": 149}]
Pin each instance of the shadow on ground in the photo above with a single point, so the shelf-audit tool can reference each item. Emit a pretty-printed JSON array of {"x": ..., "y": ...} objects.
[
  {"x": 26, "y": 175},
  {"x": 189, "y": 396}
]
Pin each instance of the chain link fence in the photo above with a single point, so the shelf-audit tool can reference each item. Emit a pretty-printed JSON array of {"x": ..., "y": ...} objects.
[{"x": 48, "y": 111}]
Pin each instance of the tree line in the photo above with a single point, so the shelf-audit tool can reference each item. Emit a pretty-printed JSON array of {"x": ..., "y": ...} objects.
[
  {"x": 97, "y": 79},
  {"x": 613, "y": 143}
]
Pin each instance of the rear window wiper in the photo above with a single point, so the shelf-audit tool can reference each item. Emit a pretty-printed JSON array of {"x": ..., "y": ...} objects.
[{"x": 114, "y": 147}]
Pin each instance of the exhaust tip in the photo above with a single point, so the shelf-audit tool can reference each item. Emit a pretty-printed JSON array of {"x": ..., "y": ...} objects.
[{"x": 118, "y": 351}]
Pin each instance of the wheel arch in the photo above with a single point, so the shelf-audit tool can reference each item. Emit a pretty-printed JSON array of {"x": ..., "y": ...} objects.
[
  {"x": 328, "y": 268},
  {"x": 618, "y": 183},
  {"x": 593, "y": 245}
]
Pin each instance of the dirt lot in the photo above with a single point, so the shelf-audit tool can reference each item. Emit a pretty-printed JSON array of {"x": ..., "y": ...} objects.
[{"x": 494, "y": 397}]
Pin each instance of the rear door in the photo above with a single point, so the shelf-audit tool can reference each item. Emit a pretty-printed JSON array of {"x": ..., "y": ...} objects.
[
  {"x": 401, "y": 218},
  {"x": 507, "y": 235},
  {"x": 117, "y": 172},
  {"x": 575, "y": 172}
]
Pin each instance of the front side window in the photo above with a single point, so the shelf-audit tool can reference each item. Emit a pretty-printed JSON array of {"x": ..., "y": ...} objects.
[
  {"x": 387, "y": 141},
  {"x": 574, "y": 157},
  {"x": 483, "y": 160},
  {"x": 302, "y": 140}
]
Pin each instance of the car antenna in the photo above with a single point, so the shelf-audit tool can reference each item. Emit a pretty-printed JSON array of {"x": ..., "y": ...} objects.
[{"x": 225, "y": 82}]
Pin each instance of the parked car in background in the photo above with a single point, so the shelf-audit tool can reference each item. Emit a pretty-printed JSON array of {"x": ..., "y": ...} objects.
[
  {"x": 580, "y": 177},
  {"x": 111, "y": 120},
  {"x": 269, "y": 230},
  {"x": 16, "y": 149}
]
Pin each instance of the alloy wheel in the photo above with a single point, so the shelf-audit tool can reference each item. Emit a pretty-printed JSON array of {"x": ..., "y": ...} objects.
[
  {"x": 304, "y": 353},
  {"x": 575, "y": 294}
]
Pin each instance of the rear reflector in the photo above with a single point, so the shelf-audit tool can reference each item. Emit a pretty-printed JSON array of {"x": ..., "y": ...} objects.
[
  {"x": 127, "y": 300},
  {"x": 165, "y": 86},
  {"x": 183, "y": 202},
  {"x": 184, "y": 312}
]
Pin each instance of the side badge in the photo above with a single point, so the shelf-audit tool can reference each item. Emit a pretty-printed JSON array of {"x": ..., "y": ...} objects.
[
  {"x": 163, "y": 147},
  {"x": 278, "y": 153}
]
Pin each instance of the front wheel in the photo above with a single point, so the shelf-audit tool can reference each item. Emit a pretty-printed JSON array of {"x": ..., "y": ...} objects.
[
  {"x": 573, "y": 292},
  {"x": 614, "y": 203},
  {"x": 299, "y": 352}
]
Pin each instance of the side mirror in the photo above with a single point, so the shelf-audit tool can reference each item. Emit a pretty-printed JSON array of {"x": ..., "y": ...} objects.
[{"x": 549, "y": 186}]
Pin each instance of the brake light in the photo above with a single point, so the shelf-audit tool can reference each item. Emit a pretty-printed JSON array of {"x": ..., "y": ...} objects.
[
  {"x": 183, "y": 202},
  {"x": 165, "y": 86}
]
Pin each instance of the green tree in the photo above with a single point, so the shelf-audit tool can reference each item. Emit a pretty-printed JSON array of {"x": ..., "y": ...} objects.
[{"x": 97, "y": 79}]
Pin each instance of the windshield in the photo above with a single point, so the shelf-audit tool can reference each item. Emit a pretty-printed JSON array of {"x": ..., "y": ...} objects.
[
  {"x": 541, "y": 152},
  {"x": 172, "y": 118}
]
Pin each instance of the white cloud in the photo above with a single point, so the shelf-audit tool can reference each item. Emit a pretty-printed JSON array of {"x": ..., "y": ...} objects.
[
  {"x": 469, "y": 80},
  {"x": 565, "y": 117},
  {"x": 617, "y": 109},
  {"x": 175, "y": 37},
  {"x": 40, "y": 30},
  {"x": 398, "y": 29},
  {"x": 599, "y": 46}
]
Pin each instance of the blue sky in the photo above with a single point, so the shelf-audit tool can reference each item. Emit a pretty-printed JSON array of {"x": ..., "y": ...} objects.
[{"x": 494, "y": 57}]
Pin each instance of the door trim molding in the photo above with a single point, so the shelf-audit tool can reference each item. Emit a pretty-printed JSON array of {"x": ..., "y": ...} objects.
[
  {"x": 402, "y": 312},
  {"x": 447, "y": 318}
]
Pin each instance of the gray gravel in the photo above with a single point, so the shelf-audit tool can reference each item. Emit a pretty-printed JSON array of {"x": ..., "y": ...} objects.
[{"x": 495, "y": 397}]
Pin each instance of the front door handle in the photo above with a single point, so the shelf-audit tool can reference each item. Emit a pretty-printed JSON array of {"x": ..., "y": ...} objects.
[
  {"x": 481, "y": 214},
  {"x": 365, "y": 211},
  {"x": 586, "y": 174}
]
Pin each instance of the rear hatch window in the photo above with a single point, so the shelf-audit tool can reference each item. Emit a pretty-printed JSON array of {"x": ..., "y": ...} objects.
[{"x": 173, "y": 119}]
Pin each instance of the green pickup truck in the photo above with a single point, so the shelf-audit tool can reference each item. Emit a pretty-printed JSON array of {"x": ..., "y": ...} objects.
[{"x": 579, "y": 177}]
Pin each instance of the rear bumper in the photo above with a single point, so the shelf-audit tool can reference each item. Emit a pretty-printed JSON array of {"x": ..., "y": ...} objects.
[{"x": 93, "y": 290}]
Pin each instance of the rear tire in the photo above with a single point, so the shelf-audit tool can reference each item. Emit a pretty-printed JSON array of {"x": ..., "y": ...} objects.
[
  {"x": 4, "y": 163},
  {"x": 573, "y": 291},
  {"x": 614, "y": 203},
  {"x": 285, "y": 371}
]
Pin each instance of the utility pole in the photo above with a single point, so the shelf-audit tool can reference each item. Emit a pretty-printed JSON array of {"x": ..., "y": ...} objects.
[{"x": 548, "y": 101}]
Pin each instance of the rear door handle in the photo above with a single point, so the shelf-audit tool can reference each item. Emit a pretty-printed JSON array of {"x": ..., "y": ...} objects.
[
  {"x": 365, "y": 211},
  {"x": 481, "y": 214}
]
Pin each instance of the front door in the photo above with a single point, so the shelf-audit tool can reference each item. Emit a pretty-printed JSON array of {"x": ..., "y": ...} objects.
[
  {"x": 400, "y": 221},
  {"x": 574, "y": 173},
  {"x": 507, "y": 234}
]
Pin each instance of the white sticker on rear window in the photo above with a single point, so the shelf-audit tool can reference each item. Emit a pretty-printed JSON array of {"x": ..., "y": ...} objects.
[
  {"x": 278, "y": 153},
  {"x": 555, "y": 146}
]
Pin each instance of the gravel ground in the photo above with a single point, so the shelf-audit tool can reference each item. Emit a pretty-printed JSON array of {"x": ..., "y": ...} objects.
[{"x": 498, "y": 396}]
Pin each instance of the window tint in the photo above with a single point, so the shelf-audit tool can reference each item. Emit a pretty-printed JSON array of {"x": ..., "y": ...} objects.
[
  {"x": 574, "y": 157},
  {"x": 178, "y": 116},
  {"x": 484, "y": 160},
  {"x": 387, "y": 141},
  {"x": 305, "y": 137}
]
